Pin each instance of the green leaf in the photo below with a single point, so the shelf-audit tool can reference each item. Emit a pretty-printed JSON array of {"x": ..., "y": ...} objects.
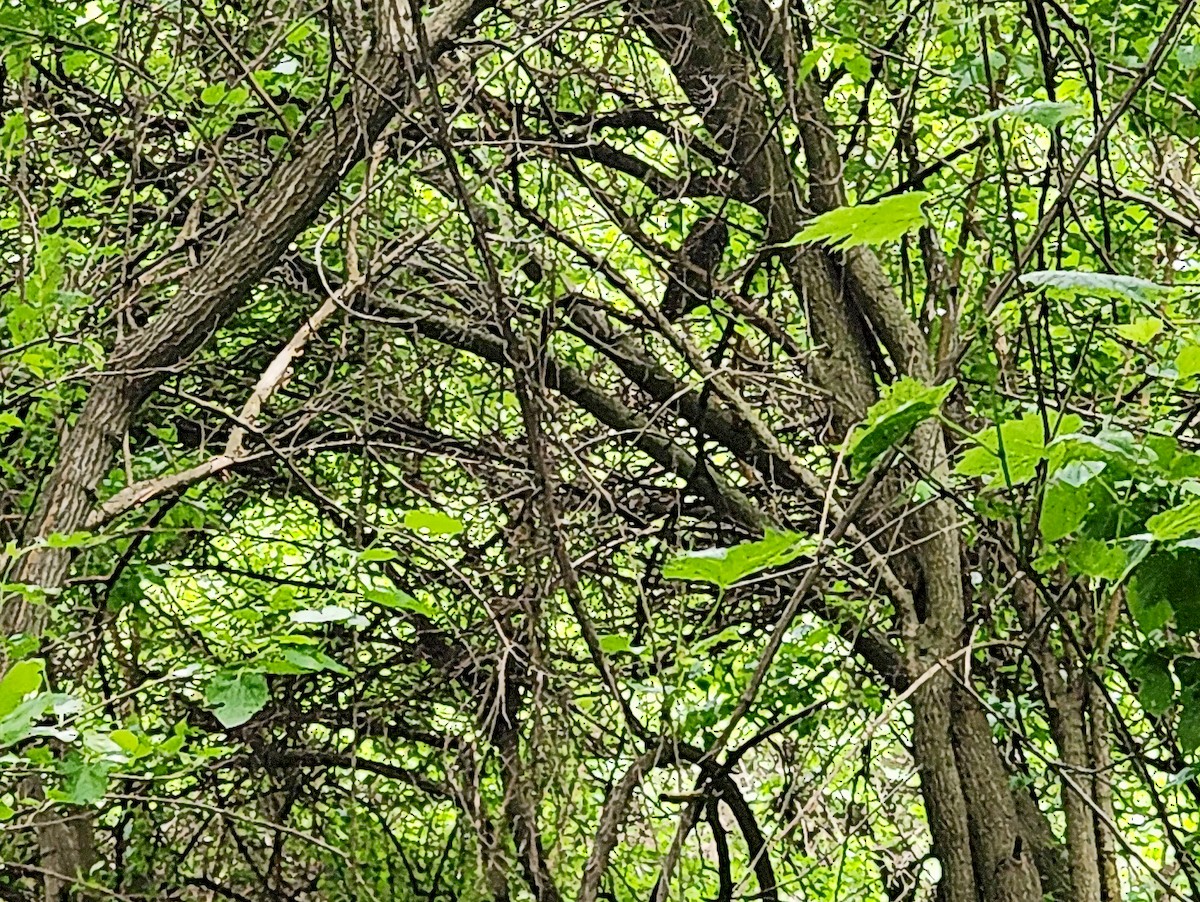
[
  {"x": 1164, "y": 584},
  {"x": 1156, "y": 686},
  {"x": 212, "y": 95},
  {"x": 127, "y": 741},
  {"x": 433, "y": 522},
  {"x": 1187, "y": 361},
  {"x": 1013, "y": 456},
  {"x": 725, "y": 566},
  {"x": 1047, "y": 113},
  {"x": 1175, "y": 523},
  {"x": 610, "y": 645},
  {"x": 1073, "y": 282},
  {"x": 21, "y": 679},
  {"x": 1142, "y": 330},
  {"x": 375, "y": 555},
  {"x": 72, "y": 540},
  {"x": 1096, "y": 558},
  {"x": 891, "y": 420},
  {"x": 86, "y": 782},
  {"x": 1063, "y": 510},
  {"x": 18, "y": 724},
  {"x": 394, "y": 598},
  {"x": 1078, "y": 473},
  {"x": 1189, "y": 725},
  {"x": 313, "y": 662},
  {"x": 877, "y": 223},
  {"x": 237, "y": 697}
]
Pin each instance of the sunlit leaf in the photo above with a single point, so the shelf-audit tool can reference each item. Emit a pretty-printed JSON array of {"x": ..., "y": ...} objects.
[
  {"x": 328, "y": 614},
  {"x": 433, "y": 522},
  {"x": 725, "y": 566},
  {"x": 1175, "y": 523},
  {"x": 904, "y": 406},
  {"x": 883, "y": 221},
  {"x": 20, "y": 680},
  {"x": 237, "y": 697}
]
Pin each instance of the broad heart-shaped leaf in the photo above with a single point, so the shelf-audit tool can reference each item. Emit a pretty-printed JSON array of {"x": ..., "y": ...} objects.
[
  {"x": 21, "y": 679},
  {"x": 725, "y": 566},
  {"x": 1165, "y": 584},
  {"x": 1076, "y": 282},
  {"x": 1046, "y": 113},
  {"x": 1175, "y": 523},
  {"x": 1013, "y": 456},
  {"x": 891, "y": 420},
  {"x": 865, "y": 224},
  {"x": 237, "y": 697}
]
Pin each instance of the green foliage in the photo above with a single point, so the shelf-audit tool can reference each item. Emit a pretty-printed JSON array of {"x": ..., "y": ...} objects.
[
  {"x": 1073, "y": 283},
  {"x": 1010, "y": 453},
  {"x": 1175, "y": 523},
  {"x": 905, "y": 405},
  {"x": 724, "y": 567},
  {"x": 1163, "y": 588},
  {"x": 19, "y": 681},
  {"x": 1046, "y": 113},
  {"x": 236, "y": 697},
  {"x": 883, "y": 221},
  {"x": 433, "y": 522}
]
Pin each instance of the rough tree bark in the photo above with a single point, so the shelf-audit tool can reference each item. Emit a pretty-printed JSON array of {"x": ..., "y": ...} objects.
[
  {"x": 977, "y": 834},
  {"x": 232, "y": 264}
]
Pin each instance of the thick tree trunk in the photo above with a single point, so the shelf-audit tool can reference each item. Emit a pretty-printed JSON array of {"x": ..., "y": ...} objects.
[
  {"x": 972, "y": 813},
  {"x": 235, "y": 261}
]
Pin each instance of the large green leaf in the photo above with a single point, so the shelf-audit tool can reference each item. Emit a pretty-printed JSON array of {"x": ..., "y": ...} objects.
[
  {"x": 1097, "y": 558},
  {"x": 86, "y": 782},
  {"x": 1012, "y": 456},
  {"x": 18, "y": 723},
  {"x": 891, "y": 420},
  {"x": 1064, "y": 508},
  {"x": 1047, "y": 113},
  {"x": 237, "y": 697},
  {"x": 1073, "y": 282},
  {"x": 21, "y": 679},
  {"x": 725, "y": 566},
  {"x": 1156, "y": 686},
  {"x": 1175, "y": 523},
  {"x": 873, "y": 224},
  {"x": 1165, "y": 584},
  {"x": 433, "y": 522}
]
